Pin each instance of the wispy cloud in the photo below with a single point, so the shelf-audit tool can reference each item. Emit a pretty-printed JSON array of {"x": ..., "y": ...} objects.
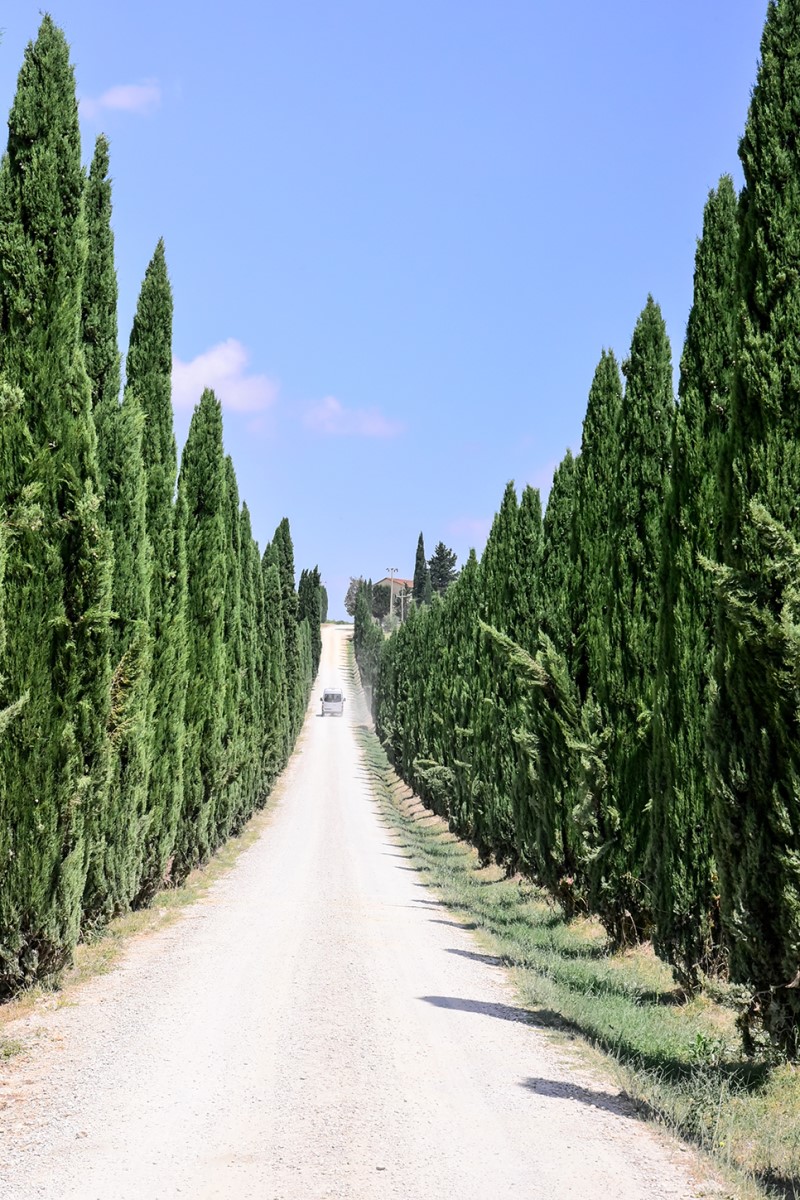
[
  {"x": 140, "y": 98},
  {"x": 224, "y": 369},
  {"x": 331, "y": 419}
]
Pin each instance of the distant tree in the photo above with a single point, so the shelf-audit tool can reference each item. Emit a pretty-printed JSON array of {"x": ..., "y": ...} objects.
[
  {"x": 421, "y": 573},
  {"x": 380, "y": 602},
  {"x": 442, "y": 566},
  {"x": 353, "y": 589},
  {"x": 323, "y": 603},
  {"x": 309, "y": 609}
]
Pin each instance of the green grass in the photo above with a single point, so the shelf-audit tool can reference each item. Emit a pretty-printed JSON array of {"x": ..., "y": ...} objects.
[
  {"x": 679, "y": 1059},
  {"x": 9, "y": 1048}
]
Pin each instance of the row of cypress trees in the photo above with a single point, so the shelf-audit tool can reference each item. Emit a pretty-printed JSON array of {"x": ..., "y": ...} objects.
[
  {"x": 154, "y": 667},
  {"x": 610, "y": 698}
]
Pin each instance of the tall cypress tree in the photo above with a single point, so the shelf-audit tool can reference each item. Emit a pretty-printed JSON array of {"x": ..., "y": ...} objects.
[
  {"x": 202, "y": 486},
  {"x": 230, "y": 793},
  {"x": 757, "y": 724},
  {"x": 684, "y": 884},
  {"x": 252, "y": 703},
  {"x": 558, "y": 582},
  {"x": 149, "y": 372},
  {"x": 595, "y": 485},
  {"x": 54, "y": 756},
  {"x": 277, "y": 719},
  {"x": 116, "y": 863},
  {"x": 421, "y": 573},
  {"x": 309, "y": 609},
  {"x": 284, "y": 552},
  {"x": 626, "y": 692}
]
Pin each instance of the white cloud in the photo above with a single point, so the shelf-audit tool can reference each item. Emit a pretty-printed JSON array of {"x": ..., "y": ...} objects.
[
  {"x": 224, "y": 369},
  {"x": 332, "y": 419},
  {"x": 141, "y": 98}
]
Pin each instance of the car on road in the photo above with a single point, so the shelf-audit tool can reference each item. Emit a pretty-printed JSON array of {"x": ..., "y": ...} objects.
[{"x": 332, "y": 702}]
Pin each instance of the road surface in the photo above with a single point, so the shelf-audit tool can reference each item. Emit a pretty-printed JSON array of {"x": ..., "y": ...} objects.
[{"x": 317, "y": 1026}]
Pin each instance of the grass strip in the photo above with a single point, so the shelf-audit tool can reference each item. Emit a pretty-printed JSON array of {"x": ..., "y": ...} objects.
[{"x": 679, "y": 1059}]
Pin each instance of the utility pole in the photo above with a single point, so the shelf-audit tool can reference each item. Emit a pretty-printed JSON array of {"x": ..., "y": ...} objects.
[{"x": 391, "y": 572}]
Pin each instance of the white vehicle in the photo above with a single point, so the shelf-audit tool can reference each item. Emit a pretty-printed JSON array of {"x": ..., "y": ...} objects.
[{"x": 332, "y": 702}]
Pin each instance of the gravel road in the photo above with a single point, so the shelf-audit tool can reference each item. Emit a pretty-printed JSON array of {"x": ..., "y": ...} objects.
[{"x": 317, "y": 1026}]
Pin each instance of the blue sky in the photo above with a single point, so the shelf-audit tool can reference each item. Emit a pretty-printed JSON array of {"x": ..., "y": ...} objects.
[{"x": 399, "y": 236}]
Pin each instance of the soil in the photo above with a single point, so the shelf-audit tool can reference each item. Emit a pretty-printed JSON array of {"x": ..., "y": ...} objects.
[{"x": 318, "y": 1025}]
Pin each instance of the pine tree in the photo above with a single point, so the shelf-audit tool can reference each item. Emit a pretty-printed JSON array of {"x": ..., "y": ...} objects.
[
  {"x": 755, "y": 735},
  {"x": 202, "y": 486},
  {"x": 626, "y": 692},
  {"x": 684, "y": 884},
  {"x": 421, "y": 573},
  {"x": 442, "y": 566},
  {"x": 54, "y": 755},
  {"x": 149, "y": 371}
]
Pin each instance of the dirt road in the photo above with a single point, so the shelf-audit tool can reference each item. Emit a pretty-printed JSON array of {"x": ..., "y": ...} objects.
[{"x": 317, "y": 1026}]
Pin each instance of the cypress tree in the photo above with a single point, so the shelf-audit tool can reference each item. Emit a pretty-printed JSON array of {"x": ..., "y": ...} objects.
[
  {"x": 227, "y": 814},
  {"x": 309, "y": 609},
  {"x": 323, "y": 606},
  {"x": 626, "y": 692},
  {"x": 548, "y": 822},
  {"x": 595, "y": 485},
  {"x": 54, "y": 756},
  {"x": 203, "y": 489},
  {"x": 527, "y": 616},
  {"x": 493, "y": 724},
  {"x": 756, "y": 743},
  {"x": 252, "y": 712},
  {"x": 149, "y": 371},
  {"x": 282, "y": 543},
  {"x": 99, "y": 295},
  {"x": 277, "y": 720},
  {"x": 558, "y": 566},
  {"x": 684, "y": 884},
  {"x": 421, "y": 573},
  {"x": 116, "y": 863}
]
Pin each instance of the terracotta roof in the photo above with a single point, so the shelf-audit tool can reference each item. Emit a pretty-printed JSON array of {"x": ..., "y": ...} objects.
[{"x": 386, "y": 582}]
